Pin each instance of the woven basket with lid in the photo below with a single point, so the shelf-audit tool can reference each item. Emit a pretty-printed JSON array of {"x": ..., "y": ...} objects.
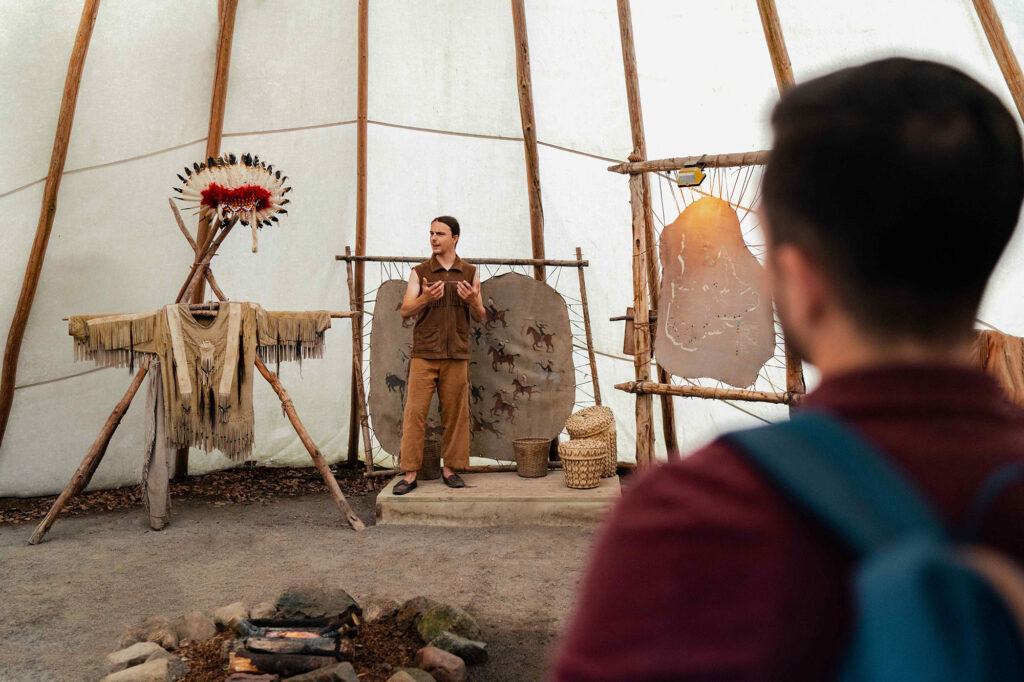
[
  {"x": 583, "y": 461},
  {"x": 610, "y": 438},
  {"x": 597, "y": 422},
  {"x": 590, "y": 421},
  {"x": 532, "y": 456}
]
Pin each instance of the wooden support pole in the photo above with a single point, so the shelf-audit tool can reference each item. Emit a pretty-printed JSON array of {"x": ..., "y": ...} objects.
[
  {"x": 363, "y": 418},
  {"x": 636, "y": 125},
  {"x": 198, "y": 272},
  {"x": 529, "y": 135},
  {"x": 704, "y": 160},
  {"x": 225, "y": 35},
  {"x": 87, "y": 468},
  {"x": 318, "y": 458},
  {"x": 1002, "y": 51},
  {"x": 58, "y": 156},
  {"x": 776, "y": 44},
  {"x": 641, "y": 327},
  {"x": 653, "y": 388},
  {"x": 586, "y": 327},
  {"x": 549, "y": 262},
  {"x": 362, "y": 97},
  {"x": 784, "y": 79}
]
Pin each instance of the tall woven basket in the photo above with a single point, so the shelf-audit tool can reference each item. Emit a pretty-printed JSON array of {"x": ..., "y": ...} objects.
[
  {"x": 430, "y": 470},
  {"x": 532, "y": 456},
  {"x": 583, "y": 460},
  {"x": 597, "y": 422}
]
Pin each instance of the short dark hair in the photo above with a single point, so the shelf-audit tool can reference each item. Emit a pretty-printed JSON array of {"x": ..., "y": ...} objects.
[
  {"x": 449, "y": 221},
  {"x": 904, "y": 179}
]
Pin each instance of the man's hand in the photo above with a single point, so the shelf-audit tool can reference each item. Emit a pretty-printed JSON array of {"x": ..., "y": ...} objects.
[
  {"x": 469, "y": 293},
  {"x": 432, "y": 291}
]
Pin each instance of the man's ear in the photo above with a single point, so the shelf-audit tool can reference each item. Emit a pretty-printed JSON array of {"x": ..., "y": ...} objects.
[{"x": 800, "y": 283}]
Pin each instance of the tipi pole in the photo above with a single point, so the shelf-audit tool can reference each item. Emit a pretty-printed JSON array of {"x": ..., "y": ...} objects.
[
  {"x": 525, "y": 88},
  {"x": 217, "y": 103},
  {"x": 218, "y": 99},
  {"x": 360, "y": 281},
  {"x": 636, "y": 125},
  {"x": 46, "y": 213},
  {"x": 784, "y": 79},
  {"x": 1008, "y": 63}
]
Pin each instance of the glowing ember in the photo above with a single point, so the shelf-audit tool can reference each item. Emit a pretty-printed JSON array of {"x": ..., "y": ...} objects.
[{"x": 297, "y": 634}]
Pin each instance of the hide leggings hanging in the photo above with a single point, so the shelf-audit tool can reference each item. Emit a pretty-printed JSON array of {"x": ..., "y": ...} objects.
[
  {"x": 156, "y": 467},
  {"x": 450, "y": 378}
]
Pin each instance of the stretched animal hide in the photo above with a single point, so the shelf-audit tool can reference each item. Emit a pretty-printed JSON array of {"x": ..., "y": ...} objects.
[
  {"x": 715, "y": 318},
  {"x": 208, "y": 368},
  {"x": 1002, "y": 356}
]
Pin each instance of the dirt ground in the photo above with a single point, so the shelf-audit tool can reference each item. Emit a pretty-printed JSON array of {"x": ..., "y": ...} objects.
[{"x": 64, "y": 603}]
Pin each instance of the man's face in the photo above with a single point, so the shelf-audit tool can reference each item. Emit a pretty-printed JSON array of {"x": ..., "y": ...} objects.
[{"x": 441, "y": 239}]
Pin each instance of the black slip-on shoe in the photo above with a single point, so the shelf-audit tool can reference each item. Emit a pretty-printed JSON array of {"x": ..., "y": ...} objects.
[
  {"x": 453, "y": 481},
  {"x": 403, "y": 486}
]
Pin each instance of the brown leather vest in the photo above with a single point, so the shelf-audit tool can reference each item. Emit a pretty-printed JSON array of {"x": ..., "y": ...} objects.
[{"x": 442, "y": 329}]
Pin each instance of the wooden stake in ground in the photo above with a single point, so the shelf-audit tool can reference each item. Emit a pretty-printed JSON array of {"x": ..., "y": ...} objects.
[
  {"x": 87, "y": 468},
  {"x": 318, "y": 458},
  {"x": 529, "y": 135},
  {"x": 1002, "y": 51},
  {"x": 636, "y": 125},
  {"x": 49, "y": 208}
]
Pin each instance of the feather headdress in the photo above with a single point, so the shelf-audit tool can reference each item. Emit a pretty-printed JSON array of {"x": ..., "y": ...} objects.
[{"x": 228, "y": 186}]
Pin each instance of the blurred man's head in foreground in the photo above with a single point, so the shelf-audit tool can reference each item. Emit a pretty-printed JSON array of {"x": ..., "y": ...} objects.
[{"x": 891, "y": 191}]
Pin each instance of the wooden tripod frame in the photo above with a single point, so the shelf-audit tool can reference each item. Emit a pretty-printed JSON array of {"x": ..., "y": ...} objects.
[{"x": 200, "y": 272}]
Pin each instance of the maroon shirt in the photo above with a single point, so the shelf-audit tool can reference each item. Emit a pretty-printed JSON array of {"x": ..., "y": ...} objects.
[{"x": 704, "y": 571}]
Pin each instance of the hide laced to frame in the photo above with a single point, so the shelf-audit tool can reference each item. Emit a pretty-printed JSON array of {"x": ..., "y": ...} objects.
[{"x": 491, "y": 413}]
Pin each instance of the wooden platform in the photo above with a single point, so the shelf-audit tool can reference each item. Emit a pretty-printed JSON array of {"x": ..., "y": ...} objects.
[{"x": 498, "y": 499}]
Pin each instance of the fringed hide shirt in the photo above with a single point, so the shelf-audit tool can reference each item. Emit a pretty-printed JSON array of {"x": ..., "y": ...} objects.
[{"x": 208, "y": 367}]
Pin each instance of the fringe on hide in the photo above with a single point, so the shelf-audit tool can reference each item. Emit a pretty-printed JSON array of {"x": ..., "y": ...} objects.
[{"x": 110, "y": 340}]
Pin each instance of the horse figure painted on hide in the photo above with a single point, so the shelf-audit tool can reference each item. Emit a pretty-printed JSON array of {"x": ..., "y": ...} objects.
[
  {"x": 540, "y": 337},
  {"x": 500, "y": 357}
]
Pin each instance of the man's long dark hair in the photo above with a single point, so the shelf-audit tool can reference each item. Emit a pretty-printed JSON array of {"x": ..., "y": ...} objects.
[{"x": 904, "y": 179}]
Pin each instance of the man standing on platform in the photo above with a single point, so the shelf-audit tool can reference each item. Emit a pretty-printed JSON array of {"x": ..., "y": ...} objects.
[{"x": 443, "y": 293}]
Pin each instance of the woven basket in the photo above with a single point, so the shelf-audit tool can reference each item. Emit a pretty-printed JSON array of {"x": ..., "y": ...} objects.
[
  {"x": 583, "y": 461},
  {"x": 532, "y": 456},
  {"x": 430, "y": 470},
  {"x": 610, "y": 440},
  {"x": 589, "y": 422}
]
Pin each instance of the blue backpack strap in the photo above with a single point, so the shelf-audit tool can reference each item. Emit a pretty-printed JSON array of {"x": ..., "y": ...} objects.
[{"x": 836, "y": 476}]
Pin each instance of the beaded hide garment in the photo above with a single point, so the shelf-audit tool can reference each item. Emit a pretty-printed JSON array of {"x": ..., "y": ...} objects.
[{"x": 208, "y": 366}]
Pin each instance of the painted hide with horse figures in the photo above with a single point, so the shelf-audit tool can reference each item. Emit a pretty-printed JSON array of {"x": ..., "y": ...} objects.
[{"x": 522, "y": 378}]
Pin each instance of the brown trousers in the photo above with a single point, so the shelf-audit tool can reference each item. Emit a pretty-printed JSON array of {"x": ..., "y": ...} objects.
[{"x": 451, "y": 380}]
